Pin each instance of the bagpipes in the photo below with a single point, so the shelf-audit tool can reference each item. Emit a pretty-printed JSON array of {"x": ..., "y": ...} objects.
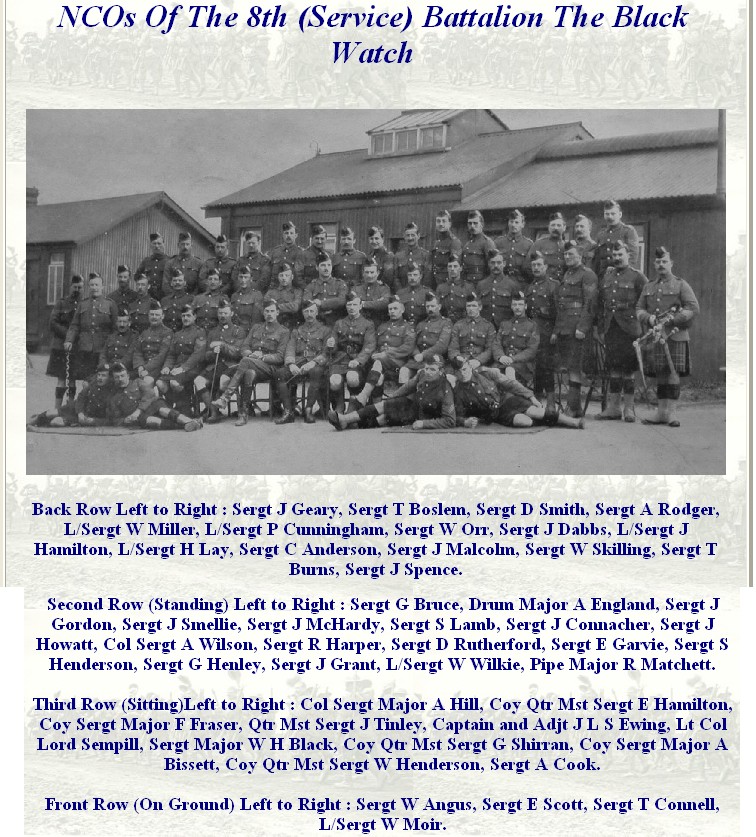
[{"x": 658, "y": 334}]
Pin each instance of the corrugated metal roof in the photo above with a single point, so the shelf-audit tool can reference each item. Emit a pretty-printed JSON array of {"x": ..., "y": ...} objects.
[
  {"x": 633, "y": 175},
  {"x": 80, "y": 221},
  {"x": 356, "y": 173},
  {"x": 640, "y": 142}
]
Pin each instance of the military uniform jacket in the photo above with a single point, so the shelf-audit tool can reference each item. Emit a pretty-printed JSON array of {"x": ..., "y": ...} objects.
[
  {"x": 123, "y": 299},
  {"x": 153, "y": 266},
  {"x": 542, "y": 306},
  {"x": 472, "y": 340},
  {"x": 307, "y": 342},
  {"x": 225, "y": 268},
  {"x": 386, "y": 267},
  {"x": 576, "y": 301},
  {"x": 92, "y": 322},
  {"x": 516, "y": 250},
  {"x": 553, "y": 255},
  {"x": 619, "y": 292},
  {"x": 496, "y": 294},
  {"x": 270, "y": 339},
  {"x": 434, "y": 400},
  {"x": 432, "y": 337},
  {"x": 587, "y": 250},
  {"x": 396, "y": 338},
  {"x": 308, "y": 258},
  {"x": 605, "y": 241},
  {"x": 375, "y": 300},
  {"x": 414, "y": 300},
  {"x": 438, "y": 258},
  {"x": 190, "y": 266},
  {"x": 518, "y": 339},
  {"x": 137, "y": 395},
  {"x": 347, "y": 265},
  {"x": 259, "y": 269},
  {"x": 120, "y": 348},
  {"x": 206, "y": 308},
  {"x": 417, "y": 254},
  {"x": 231, "y": 336},
  {"x": 93, "y": 401},
  {"x": 474, "y": 258},
  {"x": 187, "y": 348},
  {"x": 139, "y": 312},
  {"x": 290, "y": 253},
  {"x": 289, "y": 304},
  {"x": 152, "y": 349},
  {"x": 659, "y": 295},
  {"x": 355, "y": 340},
  {"x": 61, "y": 318},
  {"x": 172, "y": 305},
  {"x": 453, "y": 298},
  {"x": 477, "y": 398},
  {"x": 247, "y": 307},
  {"x": 332, "y": 295}
]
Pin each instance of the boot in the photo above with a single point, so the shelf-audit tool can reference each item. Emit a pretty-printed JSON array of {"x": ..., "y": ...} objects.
[
  {"x": 672, "y": 419},
  {"x": 286, "y": 418},
  {"x": 573, "y": 403},
  {"x": 661, "y": 416},
  {"x": 612, "y": 411},
  {"x": 242, "y": 402},
  {"x": 213, "y": 415},
  {"x": 309, "y": 418},
  {"x": 628, "y": 406},
  {"x": 567, "y": 421}
]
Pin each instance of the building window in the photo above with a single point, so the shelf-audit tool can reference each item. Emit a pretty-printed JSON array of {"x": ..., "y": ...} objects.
[
  {"x": 432, "y": 137},
  {"x": 383, "y": 143},
  {"x": 406, "y": 140},
  {"x": 55, "y": 277},
  {"x": 331, "y": 228},
  {"x": 642, "y": 230},
  {"x": 242, "y": 247}
]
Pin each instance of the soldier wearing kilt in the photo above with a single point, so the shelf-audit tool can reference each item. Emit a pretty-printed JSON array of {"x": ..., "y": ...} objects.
[
  {"x": 394, "y": 343},
  {"x": 426, "y": 402},
  {"x": 262, "y": 355},
  {"x": 59, "y": 363},
  {"x": 92, "y": 322},
  {"x": 575, "y": 301},
  {"x": 305, "y": 359},
  {"x": 224, "y": 345},
  {"x": 352, "y": 342},
  {"x": 618, "y": 326},
  {"x": 432, "y": 336},
  {"x": 541, "y": 303},
  {"x": 670, "y": 352}
]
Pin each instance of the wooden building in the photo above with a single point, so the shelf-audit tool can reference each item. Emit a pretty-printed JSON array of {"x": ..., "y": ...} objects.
[
  {"x": 669, "y": 184},
  {"x": 95, "y": 235}
]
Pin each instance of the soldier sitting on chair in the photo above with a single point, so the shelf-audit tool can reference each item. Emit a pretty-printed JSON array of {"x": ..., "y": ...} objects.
[
  {"x": 262, "y": 356},
  {"x": 352, "y": 343}
]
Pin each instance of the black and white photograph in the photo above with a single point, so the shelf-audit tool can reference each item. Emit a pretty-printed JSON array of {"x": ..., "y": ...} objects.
[{"x": 479, "y": 291}]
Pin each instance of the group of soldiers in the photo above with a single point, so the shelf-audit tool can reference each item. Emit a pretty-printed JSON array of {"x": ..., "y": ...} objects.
[{"x": 456, "y": 335}]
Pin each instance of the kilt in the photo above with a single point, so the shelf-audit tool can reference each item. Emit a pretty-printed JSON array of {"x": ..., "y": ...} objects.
[
  {"x": 185, "y": 378},
  {"x": 620, "y": 354},
  {"x": 263, "y": 371},
  {"x": 511, "y": 405},
  {"x": 83, "y": 365},
  {"x": 399, "y": 411},
  {"x": 56, "y": 365},
  {"x": 572, "y": 352},
  {"x": 340, "y": 366},
  {"x": 655, "y": 358},
  {"x": 391, "y": 367}
]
